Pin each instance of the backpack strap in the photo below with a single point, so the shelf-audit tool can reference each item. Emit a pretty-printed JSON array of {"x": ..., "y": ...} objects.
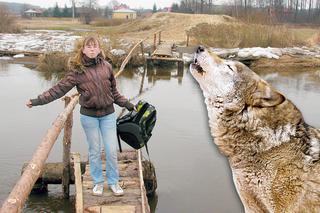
[{"x": 119, "y": 142}]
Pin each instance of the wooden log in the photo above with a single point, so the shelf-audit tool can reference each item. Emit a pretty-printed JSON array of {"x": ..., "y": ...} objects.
[
  {"x": 16, "y": 199},
  {"x": 78, "y": 182},
  {"x": 16, "y": 52},
  {"x": 52, "y": 173},
  {"x": 66, "y": 151}
]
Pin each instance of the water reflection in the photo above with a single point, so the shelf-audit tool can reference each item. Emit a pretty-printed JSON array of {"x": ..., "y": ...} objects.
[
  {"x": 155, "y": 73},
  {"x": 53, "y": 77},
  {"x": 3, "y": 67},
  {"x": 50, "y": 202}
]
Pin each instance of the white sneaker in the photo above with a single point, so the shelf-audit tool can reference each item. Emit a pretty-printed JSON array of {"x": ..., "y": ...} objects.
[
  {"x": 98, "y": 189},
  {"x": 116, "y": 189}
]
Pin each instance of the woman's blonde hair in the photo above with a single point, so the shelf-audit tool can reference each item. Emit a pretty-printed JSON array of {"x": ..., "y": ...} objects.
[{"x": 76, "y": 61}]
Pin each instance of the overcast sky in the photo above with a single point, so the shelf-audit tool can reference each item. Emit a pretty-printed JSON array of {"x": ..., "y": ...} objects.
[{"x": 132, "y": 3}]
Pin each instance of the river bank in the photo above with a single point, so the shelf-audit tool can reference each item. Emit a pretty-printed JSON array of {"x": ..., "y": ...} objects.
[{"x": 44, "y": 42}]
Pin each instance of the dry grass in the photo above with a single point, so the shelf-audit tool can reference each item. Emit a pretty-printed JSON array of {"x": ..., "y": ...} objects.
[
  {"x": 8, "y": 22},
  {"x": 244, "y": 35},
  {"x": 52, "y": 23},
  {"x": 173, "y": 25},
  {"x": 315, "y": 39},
  {"x": 305, "y": 33},
  {"x": 102, "y": 22}
]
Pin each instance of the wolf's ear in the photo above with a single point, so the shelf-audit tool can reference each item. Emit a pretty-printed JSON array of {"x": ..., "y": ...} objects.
[{"x": 265, "y": 96}]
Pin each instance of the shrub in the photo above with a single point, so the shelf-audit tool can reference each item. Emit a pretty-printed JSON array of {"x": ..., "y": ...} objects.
[{"x": 53, "y": 64}]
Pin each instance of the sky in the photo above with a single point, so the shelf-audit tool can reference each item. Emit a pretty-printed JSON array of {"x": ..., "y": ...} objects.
[{"x": 131, "y": 3}]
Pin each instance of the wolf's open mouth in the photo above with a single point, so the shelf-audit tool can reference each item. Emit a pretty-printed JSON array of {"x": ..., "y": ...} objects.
[{"x": 198, "y": 67}]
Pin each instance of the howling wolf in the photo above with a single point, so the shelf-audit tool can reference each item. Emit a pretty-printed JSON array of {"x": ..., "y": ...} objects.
[{"x": 274, "y": 155}]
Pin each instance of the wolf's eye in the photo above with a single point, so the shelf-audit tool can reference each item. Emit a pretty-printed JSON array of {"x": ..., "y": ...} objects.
[{"x": 230, "y": 67}]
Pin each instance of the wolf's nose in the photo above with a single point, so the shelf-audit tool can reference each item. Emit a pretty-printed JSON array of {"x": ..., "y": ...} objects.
[{"x": 200, "y": 49}]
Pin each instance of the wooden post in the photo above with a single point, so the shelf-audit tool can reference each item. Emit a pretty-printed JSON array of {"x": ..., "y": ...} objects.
[
  {"x": 154, "y": 42},
  {"x": 159, "y": 38},
  {"x": 142, "y": 49},
  {"x": 180, "y": 66},
  {"x": 19, "y": 194},
  {"x": 78, "y": 182},
  {"x": 187, "y": 40},
  {"x": 66, "y": 152}
]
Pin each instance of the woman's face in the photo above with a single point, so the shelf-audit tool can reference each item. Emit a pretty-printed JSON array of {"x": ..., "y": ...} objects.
[{"x": 91, "y": 49}]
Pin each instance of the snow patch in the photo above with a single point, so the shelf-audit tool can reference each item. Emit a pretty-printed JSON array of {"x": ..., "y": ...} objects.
[
  {"x": 39, "y": 40},
  {"x": 5, "y": 58},
  {"x": 18, "y": 56},
  {"x": 118, "y": 52}
]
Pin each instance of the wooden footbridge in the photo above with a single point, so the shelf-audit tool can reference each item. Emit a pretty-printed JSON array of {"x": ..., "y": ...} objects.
[
  {"x": 37, "y": 175},
  {"x": 163, "y": 52}
]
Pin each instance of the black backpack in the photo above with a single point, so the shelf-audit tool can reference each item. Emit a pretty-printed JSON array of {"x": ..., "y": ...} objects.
[{"x": 135, "y": 127}]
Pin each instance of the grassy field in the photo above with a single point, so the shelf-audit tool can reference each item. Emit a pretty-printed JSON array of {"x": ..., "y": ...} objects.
[{"x": 50, "y": 23}]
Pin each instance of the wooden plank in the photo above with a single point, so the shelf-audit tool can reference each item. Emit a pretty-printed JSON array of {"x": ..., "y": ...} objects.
[
  {"x": 190, "y": 49},
  {"x": 129, "y": 175},
  {"x": 154, "y": 58},
  {"x": 142, "y": 189},
  {"x": 163, "y": 50},
  {"x": 78, "y": 182},
  {"x": 93, "y": 209},
  {"x": 118, "y": 209}
]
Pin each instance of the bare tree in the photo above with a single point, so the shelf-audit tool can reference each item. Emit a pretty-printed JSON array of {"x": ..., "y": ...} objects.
[
  {"x": 88, "y": 10},
  {"x": 7, "y": 21}
]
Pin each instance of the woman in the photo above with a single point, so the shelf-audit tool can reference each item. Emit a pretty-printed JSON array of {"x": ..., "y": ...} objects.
[{"x": 94, "y": 80}]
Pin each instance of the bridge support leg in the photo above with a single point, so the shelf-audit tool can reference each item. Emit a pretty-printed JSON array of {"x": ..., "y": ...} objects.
[
  {"x": 180, "y": 67},
  {"x": 66, "y": 152}
]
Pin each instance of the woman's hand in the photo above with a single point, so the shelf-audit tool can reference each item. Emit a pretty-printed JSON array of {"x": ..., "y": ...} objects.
[{"x": 29, "y": 104}]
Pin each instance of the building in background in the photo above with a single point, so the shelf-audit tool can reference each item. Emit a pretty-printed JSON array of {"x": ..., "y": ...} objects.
[
  {"x": 124, "y": 14},
  {"x": 33, "y": 13}
]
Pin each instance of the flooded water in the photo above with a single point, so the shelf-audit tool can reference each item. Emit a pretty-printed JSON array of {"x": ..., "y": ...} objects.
[{"x": 192, "y": 175}]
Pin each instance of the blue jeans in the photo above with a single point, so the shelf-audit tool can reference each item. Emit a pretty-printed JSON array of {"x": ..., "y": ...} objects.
[{"x": 102, "y": 130}]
